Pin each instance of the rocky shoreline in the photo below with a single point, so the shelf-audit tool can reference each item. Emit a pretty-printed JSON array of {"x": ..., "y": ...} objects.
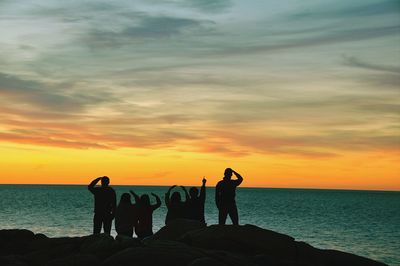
[{"x": 183, "y": 243}]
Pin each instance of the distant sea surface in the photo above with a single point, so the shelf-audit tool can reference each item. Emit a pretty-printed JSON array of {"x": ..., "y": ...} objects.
[{"x": 365, "y": 223}]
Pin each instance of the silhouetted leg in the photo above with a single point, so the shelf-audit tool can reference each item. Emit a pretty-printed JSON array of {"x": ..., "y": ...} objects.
[
  {"x": 97, "y": 221},
  {"x": 107, "y": 222},
  {"x": 223, "y": 212},
  {"x": 233, "y": 213}
]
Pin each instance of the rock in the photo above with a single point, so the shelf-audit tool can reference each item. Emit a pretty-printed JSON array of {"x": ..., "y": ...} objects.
[
  {"x": 339, "y": 258},
  {"x": 158, "y": 252},
  {"x": 244, "y": 239},
  {"x": 12, "y": 260},
  {"x": 263, "y": 259},
  {"x": 40, "y": 237},
  {"x": 181, "y": 243},
  {"x": 76, "y": 260},
  {"x": 309, "y": 255},
  {"x": 228, "y": 258},
  {"x": 127, "y": 242},
  {"x": 46, "y": 254},
  {"x": 16, "y": 235},
  {"x": 175, "y": 229},
  {"x": 15, "y": 241},
  {"x": 101, "y": 245},
  {"x": 206, "y": 262},
  {"x": 41, "y": 243}
]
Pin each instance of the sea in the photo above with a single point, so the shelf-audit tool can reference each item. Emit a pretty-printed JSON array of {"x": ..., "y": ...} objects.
[{"x": 365, "y": 223}]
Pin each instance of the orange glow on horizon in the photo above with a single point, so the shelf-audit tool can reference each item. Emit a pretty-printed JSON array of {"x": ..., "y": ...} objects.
[{"x": 29, "y": 164}]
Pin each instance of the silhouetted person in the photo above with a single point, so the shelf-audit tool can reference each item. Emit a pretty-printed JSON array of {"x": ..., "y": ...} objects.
[
  {"x": 104, "y": 204},
  {"x": 144, "y": 227},
  {"x": 195, "y": 204},
  {"x": 176, "y": 207},
  {"x": 125, "y": 216},
  {"x": 225, "y": 193}
]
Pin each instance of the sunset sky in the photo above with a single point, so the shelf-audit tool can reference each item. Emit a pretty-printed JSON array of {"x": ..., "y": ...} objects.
[{"x": 158, "y": 92}]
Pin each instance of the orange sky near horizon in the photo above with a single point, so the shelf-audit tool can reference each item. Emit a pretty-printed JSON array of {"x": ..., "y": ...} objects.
[
  {"x": 29, "y": 164},
  {"x": 291, "y": 94}
]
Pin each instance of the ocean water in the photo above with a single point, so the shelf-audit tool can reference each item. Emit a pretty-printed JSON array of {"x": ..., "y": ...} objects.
[{"x": 366, "y": 223}]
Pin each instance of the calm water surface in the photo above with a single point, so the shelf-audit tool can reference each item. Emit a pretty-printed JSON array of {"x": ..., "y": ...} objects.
[{"x": 366, "y": 223}]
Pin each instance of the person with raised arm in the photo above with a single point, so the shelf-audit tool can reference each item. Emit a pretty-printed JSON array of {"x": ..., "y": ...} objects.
[
  {"x": 225, "y": 193},
  {"x": 195, "y": 203},
  {"x": 104, "y": 204},
  {"x": 175, "y": 205},
  {"x": 144, "y": 227}
]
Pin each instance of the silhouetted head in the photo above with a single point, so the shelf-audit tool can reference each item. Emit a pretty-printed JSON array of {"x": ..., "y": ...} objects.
[
  {"x": 193, "y": 192},
  {"x": 175, "y": 197},
  {"x": 105, "y": 181},
  {"x": 228, "y": 174},
  {"x": 145, "y": 200},
  {"x": 125, "y": 199}
]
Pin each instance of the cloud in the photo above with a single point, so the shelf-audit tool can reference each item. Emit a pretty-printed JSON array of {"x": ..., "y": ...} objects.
[
  {"x": 355, "y": 62},
  {"x": 388, "y": 82},
  {"x": 201, "y": 76},
  {"x": 209, "y": 5},
  {"x": 43, "y": 95},
  {"x": 318, "y": 39},
  {"x": 321, "y": 144},
  {"x": 352, "y": 10},
  {"x": 144, "y": 26},
  {"x": 32, "y": 139}
]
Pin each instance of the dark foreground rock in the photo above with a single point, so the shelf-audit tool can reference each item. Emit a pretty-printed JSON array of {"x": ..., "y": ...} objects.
[{"x": 183, "y": 243}]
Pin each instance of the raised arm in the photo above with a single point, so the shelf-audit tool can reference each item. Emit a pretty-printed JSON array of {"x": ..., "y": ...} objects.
[
  {"x": 203, "y": 190},
  {"x": 239, "y": 179},
  {"x": 93, "y": 184},
  {"x": 167, "y": 195},
  {"x": 186, "y": 193},
  {"x": 158, "y": 203},
  {"x": 136, "y": 196}
]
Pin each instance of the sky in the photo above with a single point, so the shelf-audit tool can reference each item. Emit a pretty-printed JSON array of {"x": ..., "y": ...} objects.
[{"x": 301, "y": 94}]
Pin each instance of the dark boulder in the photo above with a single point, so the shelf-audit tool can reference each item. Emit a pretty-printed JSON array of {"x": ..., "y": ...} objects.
[
  {"x": 101, "y": 245},
  {"x": 75, "y": 260},
  {"x": 206, "y": 262},
  {"x": 244, "y": 239},
  {"x": 16, "y": 235},
  {"x": 46, "y": 254},
  {"x": 309, "y": 255},
  {"x": 12, "y": 260},
  {"x": 165, "y": 253},
  {"x": 176, "y": 228},
  {"x": 15, "y": 241},
  {"x": 127, "y": 242}
]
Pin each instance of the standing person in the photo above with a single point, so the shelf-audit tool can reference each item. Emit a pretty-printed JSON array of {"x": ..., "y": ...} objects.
[
  {"x": 125, "y": 216},
  {"x": 104, "y": 204},
  {"x": 225, "y": 193},
  {"x": 144, "y": 227},
  {"x": 195, "y": 204},
  {"x": 175, "y": 206}
]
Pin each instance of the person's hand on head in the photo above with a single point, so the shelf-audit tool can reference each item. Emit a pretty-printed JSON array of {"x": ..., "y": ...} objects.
[{"x": 204, "y": 180}]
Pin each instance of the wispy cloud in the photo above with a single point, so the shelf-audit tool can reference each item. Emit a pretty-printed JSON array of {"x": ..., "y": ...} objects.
[
  {"x": 57, "y": 97},
  {"x": 356, "y": 62},
  {"x": 351, "y": 10},
  {"x": 226, "y": 77}
]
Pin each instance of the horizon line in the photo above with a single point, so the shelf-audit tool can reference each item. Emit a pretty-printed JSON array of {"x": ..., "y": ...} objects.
[{"x": 305, "y": 188}]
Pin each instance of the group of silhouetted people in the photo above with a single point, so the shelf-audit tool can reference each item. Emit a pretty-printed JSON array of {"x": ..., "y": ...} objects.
[{"x": 138, "y": 216}]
